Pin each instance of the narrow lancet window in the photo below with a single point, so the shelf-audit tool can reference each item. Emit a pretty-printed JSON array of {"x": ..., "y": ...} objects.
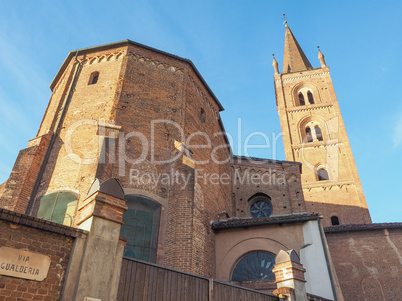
[
  {"x": 203, "y": 116},
  {"x": 318, "y": 133},
  {"x": 310, "y": 97},
  {"x": 301, "y": 99},
  {"x": 309, "y": 136}
]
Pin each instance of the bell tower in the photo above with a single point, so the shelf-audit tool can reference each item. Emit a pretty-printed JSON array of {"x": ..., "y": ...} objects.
[{"x": 315, "y": 135}]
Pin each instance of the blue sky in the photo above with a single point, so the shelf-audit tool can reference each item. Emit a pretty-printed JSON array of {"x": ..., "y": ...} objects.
[{"x": 231, "y": 43}]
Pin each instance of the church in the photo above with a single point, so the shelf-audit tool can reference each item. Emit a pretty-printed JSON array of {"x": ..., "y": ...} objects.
[{"x": 131, "y": 170}]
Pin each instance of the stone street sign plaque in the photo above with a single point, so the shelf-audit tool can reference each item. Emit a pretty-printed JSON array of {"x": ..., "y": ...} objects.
[{"x": 23, "y": 264}]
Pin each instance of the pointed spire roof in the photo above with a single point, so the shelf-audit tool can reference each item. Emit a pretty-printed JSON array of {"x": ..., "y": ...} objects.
[{"x": 294, "y": 58}]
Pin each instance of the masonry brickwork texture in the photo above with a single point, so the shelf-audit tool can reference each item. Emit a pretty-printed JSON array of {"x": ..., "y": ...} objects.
[
  {"x": 280, "y": 181},
  {"x": 342, "y": 195},
  {"x": 18, "y": 188},
  {"x": 135, "y": 86},
  {"x": 368, "y": 262},
  {"x": 38, "y": 236},
  {"x": 143, "y": 103}
]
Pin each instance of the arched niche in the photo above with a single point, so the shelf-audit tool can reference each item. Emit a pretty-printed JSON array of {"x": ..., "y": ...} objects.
[
  {"x": 307, "y": 93},
  {"x": 313, "y": 128}
]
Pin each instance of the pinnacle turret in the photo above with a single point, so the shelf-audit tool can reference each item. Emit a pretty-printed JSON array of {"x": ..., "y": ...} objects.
[
  {"x": 275, "y": 65},
  {"x": 321, "y": 58}
]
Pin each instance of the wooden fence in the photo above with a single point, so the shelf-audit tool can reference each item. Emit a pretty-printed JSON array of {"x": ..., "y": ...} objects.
[{"x": 141, "y": 281}]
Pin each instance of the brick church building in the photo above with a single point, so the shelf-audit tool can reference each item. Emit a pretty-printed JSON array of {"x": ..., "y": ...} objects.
[{"x": 131, "y": 166}]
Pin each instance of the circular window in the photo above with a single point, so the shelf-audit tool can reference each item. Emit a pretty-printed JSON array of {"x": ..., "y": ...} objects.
[
  {"x": 255, "y": 266},
  {"x": 261, "y": 208}
]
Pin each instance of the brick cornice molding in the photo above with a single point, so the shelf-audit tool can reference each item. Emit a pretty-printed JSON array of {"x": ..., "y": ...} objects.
[
  {"x": 326, "y": 184},
  {"x": 102, "y": 205},
  {"x": 304, "y": 74},
  {"x": 318, "y": 144},
  {"x": 289, "y": 270},
  {"x": 309, "y": 107},
  {"x": 102, "y": 57},
  {"x": 154, "y": 62}
]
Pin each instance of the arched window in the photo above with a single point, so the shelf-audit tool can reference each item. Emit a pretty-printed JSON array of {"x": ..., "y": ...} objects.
[
  {"x": 310, "y": 97},
  {"x": 255, "y": 266},
  {"x": 260, "y": 206},
  {"x": 58, "y": 207},
  {"x": 301, "y": 99},
  {"x": 322, "y": 174},
  {"x": 93, "y": 79},
  {"x": 141, "y": 228},
  {"x": 309, "y": 136},
  {"x": 203, "y": 116},
  {"x": 318, "y": 133},
  {"x": 334, "y": 220}
]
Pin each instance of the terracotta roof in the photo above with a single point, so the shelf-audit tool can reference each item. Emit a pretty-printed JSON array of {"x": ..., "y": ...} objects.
[
  {"x": 238, "y": 222},
  {"x": 362, "y": 227},
  {"x": 263, "y": 159}
]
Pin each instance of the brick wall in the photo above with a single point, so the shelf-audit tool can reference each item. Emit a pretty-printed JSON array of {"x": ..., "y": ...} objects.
[
  {"x": 279, "y": 180},
  {"x": 343, "y": 190},
  {"x": 367, "y": 260},
  {"x": 2, "y": 187},
  {"x": 212, "y": 171},
  {"x": 34, "y": 235},
  {"x": 137, "y": 85},
  {"x": 159, "y": 87},
  {"x": 18, "y": 188},
  {"x": 75, "y": 155}
]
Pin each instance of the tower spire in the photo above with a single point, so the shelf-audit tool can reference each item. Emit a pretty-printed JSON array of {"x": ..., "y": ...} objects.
[{"x": 294, "y": 58}]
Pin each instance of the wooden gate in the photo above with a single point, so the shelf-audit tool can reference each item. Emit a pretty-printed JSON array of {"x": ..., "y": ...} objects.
[{"x": 141, "y": 281}]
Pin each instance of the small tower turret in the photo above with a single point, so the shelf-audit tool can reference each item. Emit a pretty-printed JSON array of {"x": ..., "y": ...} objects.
[
  {"x": 275, "y": 65},
  {"x": 321, "y": 58}
]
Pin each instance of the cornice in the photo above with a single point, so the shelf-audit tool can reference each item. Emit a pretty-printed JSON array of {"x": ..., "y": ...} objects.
[
  {"x": 300, "y": 76},
  {"x": 326, "y": 185},
  {"x": 318, "y": 144},
  {"x": 313, "y": 107}
]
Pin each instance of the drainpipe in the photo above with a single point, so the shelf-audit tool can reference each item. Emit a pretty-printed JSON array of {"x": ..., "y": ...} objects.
[
  {"x": 326, "y": 259},
  {"x": 49, "y": 149}
]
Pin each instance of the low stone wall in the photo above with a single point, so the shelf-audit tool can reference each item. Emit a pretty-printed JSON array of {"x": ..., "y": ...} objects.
[{"x": 31, "y": 238}]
